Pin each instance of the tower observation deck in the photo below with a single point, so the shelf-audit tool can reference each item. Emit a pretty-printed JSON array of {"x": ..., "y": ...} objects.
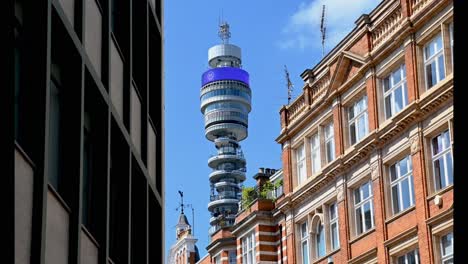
[{"x": 225, "y": 103}]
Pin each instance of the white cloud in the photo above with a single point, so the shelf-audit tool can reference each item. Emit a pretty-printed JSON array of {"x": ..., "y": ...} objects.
[{"x": 303, "y": 28}]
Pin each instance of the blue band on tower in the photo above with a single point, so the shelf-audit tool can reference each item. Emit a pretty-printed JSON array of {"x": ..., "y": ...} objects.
[{"x": 225, "y": 73}]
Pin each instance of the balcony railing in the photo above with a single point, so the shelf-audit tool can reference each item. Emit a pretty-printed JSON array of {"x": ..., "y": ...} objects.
[
  {"x": 224, "y": 196},
  {"x": 222, "y": 223},
  {"x": 296, "y": 107},
  {"x": 417, "y": 5},
  {"x": 387, "y": 27},
  {"x": 253, "y": 194}
]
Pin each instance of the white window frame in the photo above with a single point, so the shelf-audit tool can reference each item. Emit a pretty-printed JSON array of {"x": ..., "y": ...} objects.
[
  {"x": 447, "y": 257},
  {"x": 451, "y": 40},
  {"x": 442, "y": 155},
  {"x": 398, "y": 182},
  {"x": 218, "y": 259},
  {"x": 434, "y": 58},
  {"x": 329, "y": 135},
  {"x": 248, "y": 248},
  {"x": 406, "y": 257},
  {"x": 331, "y": 222},
  {"x": 361, "y": 204},
  {"x": 392, "y": 88},
  {"x": 315, "y": 153},
  {"x": 354, "y": 120},
  {"x": 301, "y": 169},
  {"x": 305, "y": 240}
]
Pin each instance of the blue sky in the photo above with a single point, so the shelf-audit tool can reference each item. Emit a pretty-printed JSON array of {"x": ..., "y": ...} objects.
[{"x": 271, "y": 34}]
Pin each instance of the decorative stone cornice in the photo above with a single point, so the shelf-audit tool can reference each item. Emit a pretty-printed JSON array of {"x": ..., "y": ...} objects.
[
  {"x": 415, "y": 144},
  {"x": 370, "y": 72},
  {"x": 340, "y": 193},
  {"x": 375, "y": 171},
  {"x": 336, "y": 101},
  {"x": 289, "y": 227}
]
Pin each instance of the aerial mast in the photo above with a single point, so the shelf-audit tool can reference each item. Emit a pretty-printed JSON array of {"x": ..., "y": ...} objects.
[
  {"x": 323, "y": 30},
  {"x": 288, "y": 84}
]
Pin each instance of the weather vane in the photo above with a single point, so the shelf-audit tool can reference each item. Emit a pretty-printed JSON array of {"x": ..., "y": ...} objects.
[
  {"x": 181, "y": 202},
  {"x": 182, "y": 206}
]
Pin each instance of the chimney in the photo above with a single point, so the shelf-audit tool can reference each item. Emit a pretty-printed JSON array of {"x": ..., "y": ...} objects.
[{"x": 262, "y": 176}]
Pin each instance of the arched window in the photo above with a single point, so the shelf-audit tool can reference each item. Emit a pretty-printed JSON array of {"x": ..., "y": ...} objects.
[
  {"x": 318, "y": 236},
  {"x": 320, "y": 240}
]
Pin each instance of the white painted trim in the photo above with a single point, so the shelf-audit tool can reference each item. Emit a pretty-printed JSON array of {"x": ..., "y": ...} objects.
[
  {"x": 268, "y": 253},
  {"x": 268, "y": 243},
  {"x": 265, "y": 233}
]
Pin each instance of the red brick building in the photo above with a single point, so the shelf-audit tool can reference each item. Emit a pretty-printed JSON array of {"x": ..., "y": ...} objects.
[{"x": 366, "y": 149}]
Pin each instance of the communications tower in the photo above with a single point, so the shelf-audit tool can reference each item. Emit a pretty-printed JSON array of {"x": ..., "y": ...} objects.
[{"x": 225, "y": 103}]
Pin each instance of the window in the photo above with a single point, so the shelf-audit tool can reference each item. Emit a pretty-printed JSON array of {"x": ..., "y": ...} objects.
[
  {"x": 248, "y": 249},
  {"x": 217, "y": 260},
  {"x": 232, "y": 257},
  {"x": 451, "y": 40},
  {"x": 135, "y": 122},
  {"x": 329, "y": 142},
  {"x": 319, "y": 240},
  {"x": 315, "y": 152},
  {"x": 395, "y": 91},
  {"x": 301, "y": 165},
  {"x": 442, "y": 160},
  {"x": 401, "y": 182},
  {"x": 304, "y": 243},
  {"x": 55, "y": 121},
  {"x": 363, "y": 208},
  {"x": 434, "y": 61},
  {"x": 446, "y": 248},
  {"x": 87, "y": 178},
  {"x": 17, "y": 89},
  {"x": 334, "y": 233},
  {"x": 93, "y": 34},
  {"x": 358, "y": 124},
  {"x": 411, "y": 257}
]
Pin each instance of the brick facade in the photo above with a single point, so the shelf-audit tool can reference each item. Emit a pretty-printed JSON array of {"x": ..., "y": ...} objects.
[{"x": 392, "y": 35}]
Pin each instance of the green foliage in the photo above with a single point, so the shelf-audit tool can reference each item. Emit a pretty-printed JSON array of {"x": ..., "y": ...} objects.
[
  {"x": 249, "y": 194},
  {"x": 278, "y": 183},
  {"x": 267, "y": 187}
]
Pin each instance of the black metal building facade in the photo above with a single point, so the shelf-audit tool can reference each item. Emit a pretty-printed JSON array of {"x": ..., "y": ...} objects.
[{"x": 89, "y": 131}]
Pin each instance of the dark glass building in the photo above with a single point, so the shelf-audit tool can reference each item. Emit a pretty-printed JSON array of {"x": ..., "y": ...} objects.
[{"x": 89, "y": 131}]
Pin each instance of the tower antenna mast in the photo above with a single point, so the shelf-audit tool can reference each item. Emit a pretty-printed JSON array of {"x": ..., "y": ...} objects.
[
  {"x": 288, "y": 84},
  {"x": 224, "y": 32},
  {"x": 323, "y": 30}
]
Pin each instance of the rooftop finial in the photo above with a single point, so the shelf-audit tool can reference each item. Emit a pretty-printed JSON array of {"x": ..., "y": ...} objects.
[{"x": 224, "y": 32}]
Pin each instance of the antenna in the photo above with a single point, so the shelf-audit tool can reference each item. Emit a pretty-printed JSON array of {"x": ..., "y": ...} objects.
[
  {"x": 224, "y": 32},
  {"x": 288, "y": 84},
  {"x": 193, "y": 218},
  {"x": 323, "y": 30}
]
